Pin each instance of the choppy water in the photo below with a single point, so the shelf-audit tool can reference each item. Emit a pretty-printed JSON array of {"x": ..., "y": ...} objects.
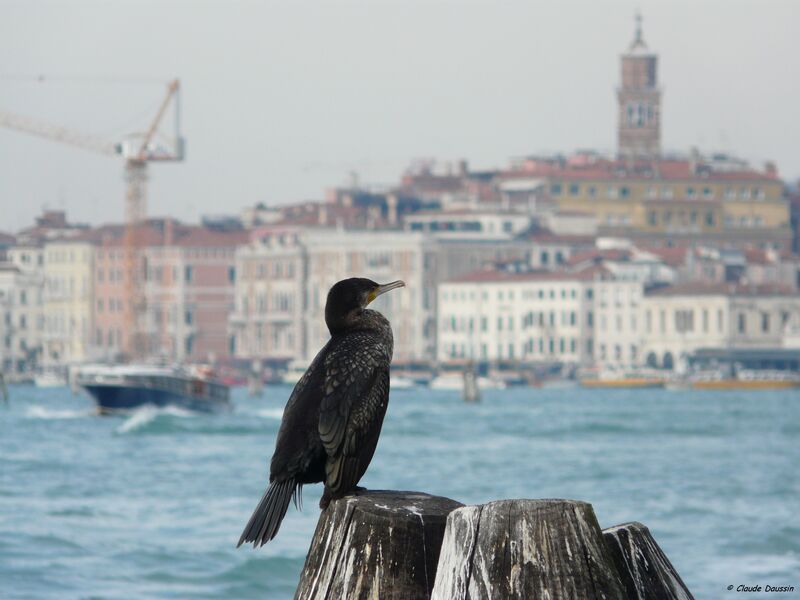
[{"x": 151, "y": 505}]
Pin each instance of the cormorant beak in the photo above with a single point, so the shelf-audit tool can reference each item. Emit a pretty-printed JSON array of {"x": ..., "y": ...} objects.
[{"x": 382, "y": 289}]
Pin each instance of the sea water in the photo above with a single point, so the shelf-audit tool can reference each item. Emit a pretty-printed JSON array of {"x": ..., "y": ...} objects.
[{"x": 151, "y": 505}]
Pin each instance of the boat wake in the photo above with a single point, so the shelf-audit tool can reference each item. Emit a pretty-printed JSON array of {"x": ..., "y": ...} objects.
[
  {"x": 270, "y": 413},
  {"x": 43, "y": 412},
  {"x": 142, "y": 417}
]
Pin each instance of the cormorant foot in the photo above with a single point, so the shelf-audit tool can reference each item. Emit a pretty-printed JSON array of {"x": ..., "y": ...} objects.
[{"x": 325, "y": 500}]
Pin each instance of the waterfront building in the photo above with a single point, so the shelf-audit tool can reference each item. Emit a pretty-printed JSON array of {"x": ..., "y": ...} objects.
[
  {"x": 187, "y": 274},
  {"x": 270, "y": 297},
  {"x": 21, "y": 321},
  {"x": 680, "y": 319},
  {"x": 617, "y": 327},
  {"x": 517, "y": 315},
  {"x": 190, "y": 282},
  {"x": 68, "y": 300}
]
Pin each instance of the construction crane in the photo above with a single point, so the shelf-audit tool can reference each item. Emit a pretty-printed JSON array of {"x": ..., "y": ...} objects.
[{"x": 137, "y": 150}]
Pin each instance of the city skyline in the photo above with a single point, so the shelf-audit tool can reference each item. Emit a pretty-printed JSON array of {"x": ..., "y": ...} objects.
[{"x": 374, "y": 112}]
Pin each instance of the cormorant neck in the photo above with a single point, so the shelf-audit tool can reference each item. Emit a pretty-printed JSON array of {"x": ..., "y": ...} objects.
[{"x": 359, "y": 319}]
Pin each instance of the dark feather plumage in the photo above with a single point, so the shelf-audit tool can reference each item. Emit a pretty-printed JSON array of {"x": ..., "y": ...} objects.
[{"x": 333, "y": 418}]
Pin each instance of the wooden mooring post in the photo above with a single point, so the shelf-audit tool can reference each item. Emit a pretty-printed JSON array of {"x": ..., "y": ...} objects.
[
  {"x": 382, "y": 545},
  {"x": 409, "y": 546}
]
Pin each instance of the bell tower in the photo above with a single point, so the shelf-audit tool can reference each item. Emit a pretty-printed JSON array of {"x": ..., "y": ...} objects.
[{"x": 639, "y": 101}]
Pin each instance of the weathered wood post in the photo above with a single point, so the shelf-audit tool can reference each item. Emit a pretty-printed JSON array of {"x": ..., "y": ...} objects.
[
  {"x": 526, "y": 549},
  {"x": 378, "y": 544},
  {"x": 645, "y": 571}
]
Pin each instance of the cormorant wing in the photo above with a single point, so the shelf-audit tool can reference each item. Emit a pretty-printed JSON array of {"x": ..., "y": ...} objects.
[{"x": 355, "y": 396}]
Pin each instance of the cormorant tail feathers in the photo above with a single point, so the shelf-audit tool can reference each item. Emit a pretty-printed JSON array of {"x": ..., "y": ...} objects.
[{"x": 267, "y": 517}]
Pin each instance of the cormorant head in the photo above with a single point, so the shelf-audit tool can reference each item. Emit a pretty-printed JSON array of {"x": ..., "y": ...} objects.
[{"x": 349, "y": 297}]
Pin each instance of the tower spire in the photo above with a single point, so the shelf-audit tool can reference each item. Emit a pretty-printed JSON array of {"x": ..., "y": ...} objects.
[
  {"x": 638, "y": 39},
  {"x": 639, "y": 100}
]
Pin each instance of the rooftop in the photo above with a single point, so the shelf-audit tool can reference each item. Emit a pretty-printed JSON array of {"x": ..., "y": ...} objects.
[{"x": 722, "y": 289}]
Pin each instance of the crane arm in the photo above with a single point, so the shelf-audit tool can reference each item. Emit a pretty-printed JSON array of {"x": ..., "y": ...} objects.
[
  {"x": 56, "y": 133},
  {"x": 172, "y": 88}
]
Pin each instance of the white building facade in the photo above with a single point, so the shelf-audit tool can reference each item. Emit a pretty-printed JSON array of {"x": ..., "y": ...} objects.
[
  {"x": 683, "y": 318},
  {"x": 505, "y": 316}
]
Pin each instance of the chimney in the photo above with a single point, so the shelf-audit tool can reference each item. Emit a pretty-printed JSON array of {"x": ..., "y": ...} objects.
[
  {"x": 771, "y": 169},
  {"x": 322, "y": 215},
  {"x": 169, "y": 232},
  {"x": 463, "y": 167},
  {"x": 391, "y": 206},
  {"x": 694, "y": 160}
]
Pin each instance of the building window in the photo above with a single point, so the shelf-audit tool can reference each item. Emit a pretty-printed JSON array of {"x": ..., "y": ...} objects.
[
  {"x": 765, "y": 322},
  {"x": 707, "y": 193},
  {"x": 574, "y": 189},
  {"x": 690, "y": 192},
  {"x": 710, "y": 219},
  {"x": 188, "y": 273},
  {"x": 742, "y": 323},
  {"x": 188, "y": 317},
  {"x": 555, "y": 189},
  {"x": 592, "y": 191},
  {"x": 624, "y": 192},
  {"x": 684, "y": 320}
]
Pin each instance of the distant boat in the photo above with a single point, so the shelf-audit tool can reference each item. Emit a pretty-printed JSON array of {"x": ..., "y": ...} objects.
[
  {"x": 49, "y": 379},
  {"x": 294, "y": 372},
  {"x": 744, "y": 379},
  {"x": 623, "y": 379},
  {"x": 125, "y": 388}
]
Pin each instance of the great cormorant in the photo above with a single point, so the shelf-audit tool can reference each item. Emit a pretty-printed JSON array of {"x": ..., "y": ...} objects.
[{"x": 333, "y": 418}]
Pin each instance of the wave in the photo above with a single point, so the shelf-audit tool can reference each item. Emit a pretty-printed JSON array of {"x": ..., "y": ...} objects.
[
  {"x": 270, "y": 413},
  {"x": 38, "y": 411},
  {"x": 144, "y": 416}
]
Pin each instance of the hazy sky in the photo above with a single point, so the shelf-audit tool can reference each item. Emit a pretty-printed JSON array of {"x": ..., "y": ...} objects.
[{"x": 283, "y": 99}]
